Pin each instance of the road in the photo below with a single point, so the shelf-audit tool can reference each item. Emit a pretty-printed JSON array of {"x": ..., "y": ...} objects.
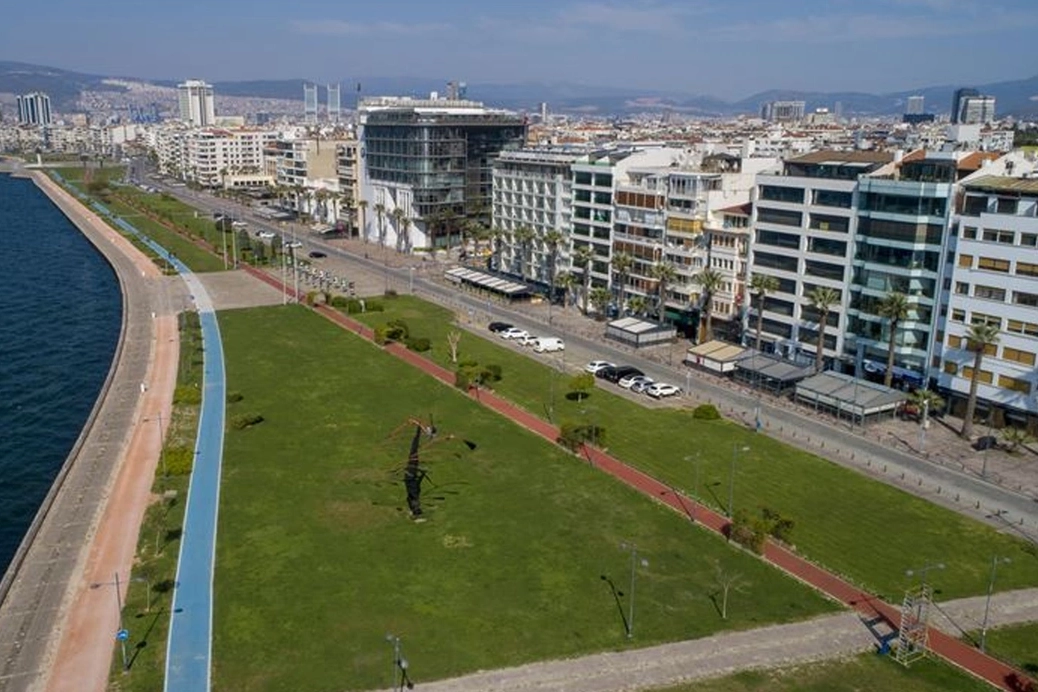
[{"x": 1000, "y": 507}]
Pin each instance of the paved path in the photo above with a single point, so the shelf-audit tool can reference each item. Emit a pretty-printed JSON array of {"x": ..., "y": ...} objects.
[{"x": 59, "y": 557}]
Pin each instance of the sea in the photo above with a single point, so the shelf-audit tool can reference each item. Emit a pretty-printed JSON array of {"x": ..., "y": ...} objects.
[{"x": 60, "y": 315}]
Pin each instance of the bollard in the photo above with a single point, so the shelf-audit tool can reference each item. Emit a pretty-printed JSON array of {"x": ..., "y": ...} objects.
[
  {"x": 938, "y": 490},
  {"x": 956, "y": 497},
  {"x": 868, "y": 462},
  {"x": 920, "y": 482},
  {"x": 902, "y": 475},
  {"x": 978, "y": 504},
  {"x": 884, "y": 468}
]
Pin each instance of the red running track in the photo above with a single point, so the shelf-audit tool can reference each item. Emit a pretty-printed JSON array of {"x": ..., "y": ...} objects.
[{"x": 870, "y": 607}]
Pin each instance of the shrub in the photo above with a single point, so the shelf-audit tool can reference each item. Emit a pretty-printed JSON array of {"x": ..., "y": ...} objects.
[
  {"x": 397, "y": 330},
  {"x": 706, "y": 412},
  {"x": 572, "y": 435},
  {"x": 342, "y": 302},
  {"x": 747, "y": 532},
  {"x": 374, "y": 306},
  {"x": 233, "y": 397},
  {"x": 187, "y": 395},
  {"x": 391, "y": 293},
  {"x": 420, "y": 344},
  {"x": 245, "y": 420},
  {"x": 177, "y": 461},
  {"x": 492, "y": 373}
]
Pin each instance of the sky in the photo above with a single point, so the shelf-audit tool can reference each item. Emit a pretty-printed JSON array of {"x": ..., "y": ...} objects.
[{"x": 724, "y": 48}]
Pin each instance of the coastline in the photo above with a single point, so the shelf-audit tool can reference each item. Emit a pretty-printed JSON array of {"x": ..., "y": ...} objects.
[{"x": 91, "y": 517}]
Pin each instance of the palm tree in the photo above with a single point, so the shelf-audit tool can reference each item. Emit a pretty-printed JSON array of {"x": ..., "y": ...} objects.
[
  {"x": 553, "y": 239},
  {"x": 621, "y": 264},
  {"x": 582, "y": 259},
  {"x": 567, "y": 281},
  {"x": 362, "y": 207},
  {"x": 822, "y": 299},
  {"x": 399, "y": 217},
  {"x": 638, "y": 305},
  {"x": 664, "y": 273},
  {"x": 497, "y": 237},
  {"x": 761, "y": 285},
  {"x": 600, "y": 299},
  {"x": 710, "y": 281},
  {"x": 894, "y": 307},
  {"x": 380, "y": 211},
  {"x": 979, "y": 337},
  {"x": 926, "y": 401},
  {"x": 523, "y": 237}
]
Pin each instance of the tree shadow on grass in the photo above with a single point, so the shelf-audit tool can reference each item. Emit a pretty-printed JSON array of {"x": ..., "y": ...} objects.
[
  {"x": 143, "y": 643},
  {"x": 616, "y": 598}
]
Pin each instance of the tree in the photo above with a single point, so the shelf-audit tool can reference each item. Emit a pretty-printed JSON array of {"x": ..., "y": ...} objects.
[
  {"x": 567, "y": 281},
  {"x": 453, "y": 340},
  {"x": 581, "y": 385},
  {"x": 553, "y": 239},
  {"x": 523, "y": 238},
  {"x": 600, "y": 299},
  {"x": 979, "y": 338},
  {"x": 894, "y": 307},
  {"x": 497, "y": 238},
  {"x": 362, "y": 207},
  {"x": 582, "y": 257},
  {"x": 710, "y": 281},
  {"x": 727, "y": 581},
  {"x": 1016, "y": 438},
  {"x": 380, "y": 211},
  {"x": 664, "y": 273},
  {"x": 761, "y": 285},
  {"x": 638, "y": 305},
  {"x": 926, "y": 401},
  {"x": 621, "y": 264},
  {"x": 822, "y": 299},
  {"x": 399, "y": 217}
]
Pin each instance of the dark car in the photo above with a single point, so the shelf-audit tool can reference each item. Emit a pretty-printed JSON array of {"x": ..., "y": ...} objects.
[
  {"x": 498, "y": 327},
  {"x": 616, "y": 374},
  {"x": 317, "y": 254}
]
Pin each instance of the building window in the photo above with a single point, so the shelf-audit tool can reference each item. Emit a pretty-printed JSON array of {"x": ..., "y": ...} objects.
[
  {"x": 1007, "y": 205},
  {"x": 969, "y": 232},
  {"x": 777, "y": 193},
  {"x": 824, "y": 222},
  {"x": 994, "y": 235},
  {"x": 779, "y": 216},
  {"x": 990, "y": 293},
  {"x": 962, "y": 288},
  {"x": 1018, "y": 356},
  {"x": 1026, "y": 269},
  {"x": 981, "y": 318},
  {"x": 966, "y": 261},
  {"x": 951, "y": 368},
  {"x": 1028, "y": 299},
  {"x": 958, "y": 315},
  {"x": 832, "y": 198},
  {"x": 1014, "y": 384},
  {"x": 993, "y": 264},
  {"x": 1029, "y": 239},
  {"x": 985, "y": 376},
  {"x": 1020, "y": 327},
  {"x": 954, "y": 341}
]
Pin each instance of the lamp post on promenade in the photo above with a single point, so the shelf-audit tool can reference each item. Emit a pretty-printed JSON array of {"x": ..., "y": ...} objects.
[
  {"x": 634, "y": 565},
  {"x": 995, "y": 562},
  {"x": 731, "y": 476}
]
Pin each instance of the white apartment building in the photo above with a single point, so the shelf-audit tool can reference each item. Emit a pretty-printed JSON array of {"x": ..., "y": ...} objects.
[
  {"x": 197, "y": 106},
  {"x": 214, "y": 157},
  {"x": 995, "y": 279},
  {"x": 533, "y": 189}
]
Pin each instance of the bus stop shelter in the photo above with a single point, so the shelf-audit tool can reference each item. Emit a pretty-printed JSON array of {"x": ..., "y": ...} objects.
[{"x": 848, "y": 397}]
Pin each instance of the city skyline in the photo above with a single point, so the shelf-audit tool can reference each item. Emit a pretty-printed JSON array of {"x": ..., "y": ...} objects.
[{"x": 727, "y": 50}]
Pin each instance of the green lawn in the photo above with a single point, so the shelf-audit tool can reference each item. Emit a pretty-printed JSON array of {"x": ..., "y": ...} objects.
[
  {"x": 860, "y": 674},
  {"x": 317, "y": 559},
  {"x": 863, "y": 529},
  {"x": 196, "y": 258},
  {"x": 1017, "y": 645}
]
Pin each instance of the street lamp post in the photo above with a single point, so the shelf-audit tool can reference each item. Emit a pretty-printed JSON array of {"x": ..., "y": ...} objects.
[
  {"x": 410, "y": 279},
  {"x": 634, "y": 564},
  {"x": 995, "y": 561},
  {"x": 731, "y": 476},
  {"x": 694, "y": 458},
  {"x": 400, "y": 664}
]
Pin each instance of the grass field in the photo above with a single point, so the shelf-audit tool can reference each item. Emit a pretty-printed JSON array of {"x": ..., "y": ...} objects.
[
  {"x": 865, "y": 530},
  {"x": 317, "y": 559},
  {"x": 860, "y": 674},
  {"x": 1017, "y": 645}
]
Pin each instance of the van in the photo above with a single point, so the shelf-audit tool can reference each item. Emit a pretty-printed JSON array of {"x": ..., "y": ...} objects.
[{"x": 548, "y": 344}]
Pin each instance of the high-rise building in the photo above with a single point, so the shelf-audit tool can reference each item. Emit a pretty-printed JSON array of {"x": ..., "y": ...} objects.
[
  {"x": 334, "y": 103},
  {"x": 196, "y": 103},
  {"x": 914, "y": 105},
  {"x": 976, "y": 110},
  {"x": 783, "y": 111},
  {"x": 310, "y": 103},
  {"x": 441, "y": 151},
  {"x": 34, "y": 109},
  {"x": 957, "y": 102}
]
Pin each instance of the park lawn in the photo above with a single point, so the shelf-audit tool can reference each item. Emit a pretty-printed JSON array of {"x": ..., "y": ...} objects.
[
  {"x": 195, "y": 222},
  {"x": 317, "y": 559},
  {"x": 1017, "y": 644},
  {"x": 859, "y": 674},
  {"x": 865, "y": 530}
]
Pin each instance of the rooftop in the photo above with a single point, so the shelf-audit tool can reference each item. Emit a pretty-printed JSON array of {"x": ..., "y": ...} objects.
[
  {"x": 832, "y": 157},
  {"x": 1003, "y": 183}
]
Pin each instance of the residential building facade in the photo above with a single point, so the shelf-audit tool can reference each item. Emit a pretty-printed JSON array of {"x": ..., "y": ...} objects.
[{"x": 197, "y": 104}]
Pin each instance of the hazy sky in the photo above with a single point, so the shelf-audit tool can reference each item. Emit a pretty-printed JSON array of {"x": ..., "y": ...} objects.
[{"x": 725, "y": 48}]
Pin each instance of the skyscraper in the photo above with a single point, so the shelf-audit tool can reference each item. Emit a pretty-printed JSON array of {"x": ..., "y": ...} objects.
[
  {"x": 34, "y": 109},
  {"x": 310, "y": 103},
  {"x": 196, "y": 103},
  {"x": 976, "y": 110},
  {"x": 957, "y": 102},
  {"x": 334, "y": 103},
  {"x": 914, "y": 105}
]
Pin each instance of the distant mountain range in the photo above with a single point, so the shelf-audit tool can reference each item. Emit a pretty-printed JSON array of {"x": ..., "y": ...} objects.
[{"x": 1015, "y": 97}]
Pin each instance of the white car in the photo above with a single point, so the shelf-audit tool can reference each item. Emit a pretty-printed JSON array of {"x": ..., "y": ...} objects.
[
  {"x": 631, "y": 380},
  {"x": 528, "y": 340},
  {"x": 264, "y": 235},
  {"x": 596, "y": 365},
  {"x": 514, "y": 333},
  {"x": 662, "y": 389},
  {"x": 642, "y": 384},
  {"x": 295, "y": 244},
  {"x": 548, "y": 344}
]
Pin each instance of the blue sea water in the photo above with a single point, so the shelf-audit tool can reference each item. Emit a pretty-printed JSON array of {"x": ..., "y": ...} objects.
[{"x": 60, "y": 315}]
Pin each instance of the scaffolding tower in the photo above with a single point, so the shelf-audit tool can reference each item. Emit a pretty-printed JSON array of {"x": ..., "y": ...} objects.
[{"x": 913, "y": 632}]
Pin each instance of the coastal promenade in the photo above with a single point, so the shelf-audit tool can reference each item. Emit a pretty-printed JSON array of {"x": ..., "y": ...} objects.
[{"x": 86, "y": 530}]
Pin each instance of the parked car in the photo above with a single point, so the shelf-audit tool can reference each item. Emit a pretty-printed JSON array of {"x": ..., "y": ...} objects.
[
  {"x": 619, "y": 373},
  {"x": 264, "y": 235},
  {"x": 662, "y": 389},
  {"x": 549, "y": 344},
  {"x": 606, "y": 372},
  {"x": 528, "y": 340},
  {"x": 642, "y": 384},
  {"x": 514, "y": 333},
  {"x": 498, "y": 327},
  {"x": 594, "y": 366},
  {"x": 631, "y": 380},
  {"x": 317, "y": 254}
]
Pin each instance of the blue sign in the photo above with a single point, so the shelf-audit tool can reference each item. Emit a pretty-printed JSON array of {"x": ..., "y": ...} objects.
[{"x": 122, "y": 635}]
